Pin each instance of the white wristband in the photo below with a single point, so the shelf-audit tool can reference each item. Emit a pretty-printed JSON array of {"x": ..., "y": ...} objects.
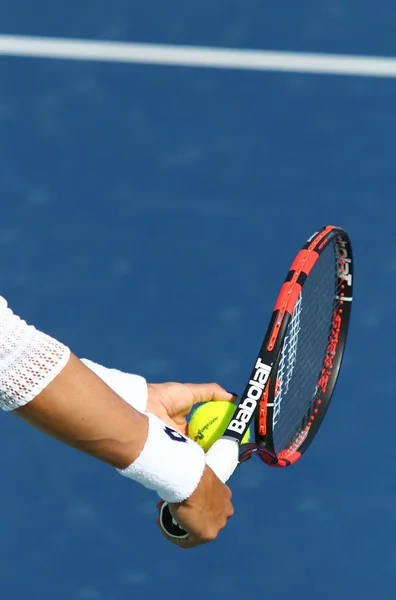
[
  {"x": 131, "y": 388},
  {"x": 169, "y": 463}
]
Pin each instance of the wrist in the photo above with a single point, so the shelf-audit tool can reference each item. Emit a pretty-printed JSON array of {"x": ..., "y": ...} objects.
[
  {"x": 119, "y": 453},
  {"x": 169, "y": 463}
]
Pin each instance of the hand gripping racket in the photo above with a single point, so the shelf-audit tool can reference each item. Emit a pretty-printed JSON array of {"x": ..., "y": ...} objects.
[{"x": 294, "y": 376}]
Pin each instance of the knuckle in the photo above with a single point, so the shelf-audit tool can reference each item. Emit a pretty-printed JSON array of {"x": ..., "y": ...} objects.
[
  {"x": 222, "y": 525},
  {"x": 209, "y": 535}
]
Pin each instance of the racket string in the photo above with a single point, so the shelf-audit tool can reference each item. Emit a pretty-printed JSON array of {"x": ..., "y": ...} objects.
[
  {"x": 304, "y": 352},
  {"x": 287, "y": 359}
]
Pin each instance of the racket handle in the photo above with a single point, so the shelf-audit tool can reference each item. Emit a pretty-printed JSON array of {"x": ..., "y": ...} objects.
[{"x": 222, "y": 458}]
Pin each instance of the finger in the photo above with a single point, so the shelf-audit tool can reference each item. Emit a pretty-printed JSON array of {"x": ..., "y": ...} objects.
[
  {"x": 179, "y": 422},
  {"x": 208, "y": 392}
]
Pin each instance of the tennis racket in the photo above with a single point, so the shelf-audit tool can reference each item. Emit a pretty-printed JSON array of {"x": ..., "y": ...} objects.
[{"x": 295, "y": 373}]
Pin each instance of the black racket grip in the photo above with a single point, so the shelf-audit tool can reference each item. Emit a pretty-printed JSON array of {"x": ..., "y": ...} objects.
[
  {"x": 222, "y": 458},
  {"x": 169, "y": 524}
]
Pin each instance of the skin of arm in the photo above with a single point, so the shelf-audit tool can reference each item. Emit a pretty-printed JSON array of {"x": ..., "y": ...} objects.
[{"x": 80, "y": 410}]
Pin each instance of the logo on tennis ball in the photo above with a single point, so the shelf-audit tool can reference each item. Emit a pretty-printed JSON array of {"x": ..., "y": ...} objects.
[
  {"x": 200, "y": 433},
  {"x": 254, "y": 393}
]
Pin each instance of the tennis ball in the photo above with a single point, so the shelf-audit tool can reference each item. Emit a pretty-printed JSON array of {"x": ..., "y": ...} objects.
[{"x": 209, "y": 421}]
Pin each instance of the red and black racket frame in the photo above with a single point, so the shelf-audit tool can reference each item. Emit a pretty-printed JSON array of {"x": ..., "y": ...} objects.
[{"x": 271, "y": 348}]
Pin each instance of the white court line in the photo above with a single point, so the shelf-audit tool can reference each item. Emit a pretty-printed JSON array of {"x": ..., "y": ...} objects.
[{"x": 194, "y": 56}]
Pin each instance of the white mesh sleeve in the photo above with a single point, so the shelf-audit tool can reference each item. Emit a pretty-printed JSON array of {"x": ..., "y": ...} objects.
[
  {"x": 131, "y": 388},
  {"x": 29, "y": 360}
]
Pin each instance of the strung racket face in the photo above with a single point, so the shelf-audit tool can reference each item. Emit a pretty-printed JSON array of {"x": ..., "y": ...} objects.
[{"x": 303, "y": 348}]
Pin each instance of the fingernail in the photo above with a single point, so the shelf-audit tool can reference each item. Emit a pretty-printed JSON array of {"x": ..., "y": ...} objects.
[{"x": 232, "y": 393}]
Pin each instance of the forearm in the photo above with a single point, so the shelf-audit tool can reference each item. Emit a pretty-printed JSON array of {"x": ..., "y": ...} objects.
[
  {"x": 79, "y": 409},
  {"x": 42, "y": 382}
]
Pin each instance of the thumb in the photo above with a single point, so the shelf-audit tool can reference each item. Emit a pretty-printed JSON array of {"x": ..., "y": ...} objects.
[{"x": 208, "y": 392}]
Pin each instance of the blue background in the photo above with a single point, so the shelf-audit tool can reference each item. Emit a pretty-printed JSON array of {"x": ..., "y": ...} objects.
[{"x": 148, "y": 217}]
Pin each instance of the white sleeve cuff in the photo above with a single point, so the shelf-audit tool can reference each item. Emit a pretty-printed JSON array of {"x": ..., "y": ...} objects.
[
  {"x": 169, "y": 463},
  {"x": 131, "y": 388},
  {"x": 29, "y": 360}
]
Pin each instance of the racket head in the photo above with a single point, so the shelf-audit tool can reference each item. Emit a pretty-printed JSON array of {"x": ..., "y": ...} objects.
[{"x": 304, "y": 347}]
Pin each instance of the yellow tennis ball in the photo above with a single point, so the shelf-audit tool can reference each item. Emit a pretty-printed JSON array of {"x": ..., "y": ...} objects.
[{"x": 209, "y": 421}]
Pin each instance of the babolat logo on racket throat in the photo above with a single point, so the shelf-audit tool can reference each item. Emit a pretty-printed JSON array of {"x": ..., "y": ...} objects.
[{"x": 254, "y": 393}]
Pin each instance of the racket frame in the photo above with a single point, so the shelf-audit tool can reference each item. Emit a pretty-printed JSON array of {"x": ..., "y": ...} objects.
[{"x": 270, "y": 352}]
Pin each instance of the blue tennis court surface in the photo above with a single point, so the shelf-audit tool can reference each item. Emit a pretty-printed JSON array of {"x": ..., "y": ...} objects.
[{"x": 149, "y": 215}]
